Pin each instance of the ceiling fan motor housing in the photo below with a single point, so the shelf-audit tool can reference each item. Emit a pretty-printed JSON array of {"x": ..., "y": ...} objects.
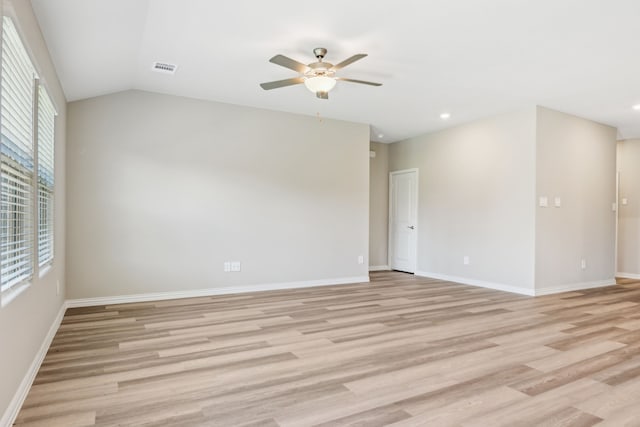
[{"x": 320, "y": 69}]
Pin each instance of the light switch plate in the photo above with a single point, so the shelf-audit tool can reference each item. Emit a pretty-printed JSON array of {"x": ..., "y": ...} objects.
[
  {"x": 235, "y": 266},
  {"x": 624, "y": 201},
  {"x": 544, "y": 202},
  {"x": 557, "y": 202},
  {"x": 227, "y": 266}
]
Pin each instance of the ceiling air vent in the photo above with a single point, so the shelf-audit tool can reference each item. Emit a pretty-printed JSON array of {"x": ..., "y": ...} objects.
[{"x": 163, "y": 67}]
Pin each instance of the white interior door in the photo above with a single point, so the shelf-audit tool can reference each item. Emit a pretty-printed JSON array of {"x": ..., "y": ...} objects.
[{"x": 403, "y": 215}]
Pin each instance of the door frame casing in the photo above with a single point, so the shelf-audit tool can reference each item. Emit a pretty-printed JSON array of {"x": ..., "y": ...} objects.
[{"x": 390, "y": 225}]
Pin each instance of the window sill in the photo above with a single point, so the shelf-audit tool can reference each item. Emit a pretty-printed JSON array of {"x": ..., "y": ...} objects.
[
  {"x": 43, "y": 270},
  {"x": 10, "y": 294}
]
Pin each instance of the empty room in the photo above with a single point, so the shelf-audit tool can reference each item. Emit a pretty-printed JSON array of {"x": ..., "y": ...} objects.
[{"x": 319, "y": 214}]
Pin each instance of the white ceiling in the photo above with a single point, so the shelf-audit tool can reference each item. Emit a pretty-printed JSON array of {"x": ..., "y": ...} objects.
[{"x": 467, "y": 57}]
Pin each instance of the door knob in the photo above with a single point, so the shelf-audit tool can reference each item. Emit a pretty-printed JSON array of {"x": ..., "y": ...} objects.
[{"x": 411, "y": 227}]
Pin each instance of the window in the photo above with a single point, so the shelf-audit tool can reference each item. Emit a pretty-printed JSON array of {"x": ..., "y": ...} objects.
[
  {"x": 21, "y": 98},
  {"x": 16, "y": 127},
  {"x": 46, "y": 120}
]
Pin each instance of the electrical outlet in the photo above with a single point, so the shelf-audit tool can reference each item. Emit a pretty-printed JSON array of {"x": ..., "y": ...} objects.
[
  {"x": 227, "y": 266},
  {"x": 465, "y": 260},
  {"x": 235, "y": 266},
  {"x": 583, "y": 264},
  {"x": 360, "y": 259}
]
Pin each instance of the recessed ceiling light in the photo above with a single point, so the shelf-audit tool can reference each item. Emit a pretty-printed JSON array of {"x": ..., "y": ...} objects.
[
  {"x": 445, "y": 116},
  {"x": 380, "y": 135},
  {"x": 636, "y": 107}
]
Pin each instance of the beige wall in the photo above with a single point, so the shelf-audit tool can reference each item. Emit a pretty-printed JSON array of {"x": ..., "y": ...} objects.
[
  {"x": 163, "y": 190},
  {"x": 476, "y": 195},
  {"x": 26, "y": 319},
  {"x": 576, "y": 161},
  {"x": 480, "y": 185},
  {"x": 629, "y": 214},
  {"x": 378, "y": 205}
]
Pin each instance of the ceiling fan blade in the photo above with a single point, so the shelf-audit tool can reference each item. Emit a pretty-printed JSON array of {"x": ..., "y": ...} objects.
[
  {"x": 364, "y": 82},
  {"x": 289, "y": 63},
  {"x": 282, "y": 83},
  {"x": 348, "y": 61}
]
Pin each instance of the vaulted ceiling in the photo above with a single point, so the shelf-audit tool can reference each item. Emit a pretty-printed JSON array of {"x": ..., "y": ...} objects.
[{"x": 469, "y": 58}]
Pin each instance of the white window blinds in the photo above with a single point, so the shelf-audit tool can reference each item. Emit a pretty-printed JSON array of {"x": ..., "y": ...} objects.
[
  {"x": 16, "y": 129},
  {"x": 46, "y": 122}
]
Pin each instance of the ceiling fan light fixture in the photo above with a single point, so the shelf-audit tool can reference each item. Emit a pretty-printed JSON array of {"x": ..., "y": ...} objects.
[{"x": 319, "y": 83}]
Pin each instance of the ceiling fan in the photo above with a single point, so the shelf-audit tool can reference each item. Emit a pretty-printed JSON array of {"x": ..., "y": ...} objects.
[{"x": 319, "y": 77}]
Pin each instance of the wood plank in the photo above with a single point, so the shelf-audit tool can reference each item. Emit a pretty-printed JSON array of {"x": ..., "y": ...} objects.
[{"x": 400, "y": 350}]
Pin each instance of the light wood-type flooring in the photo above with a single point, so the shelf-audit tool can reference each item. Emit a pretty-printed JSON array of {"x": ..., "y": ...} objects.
[{"x": 400, "y": 351}]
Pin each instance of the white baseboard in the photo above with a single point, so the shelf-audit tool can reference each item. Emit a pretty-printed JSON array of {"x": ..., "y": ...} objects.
[
  {"x": 628, "y": 276},
  {"x": 379, "y": 268},
  {"x": 523, "y": 291},
  {"x": 480, "y": 283},
  {"x": 19, "y": 397},
  {"x": 156, "y": 296},
  {"x": 574, "y": 287}
]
